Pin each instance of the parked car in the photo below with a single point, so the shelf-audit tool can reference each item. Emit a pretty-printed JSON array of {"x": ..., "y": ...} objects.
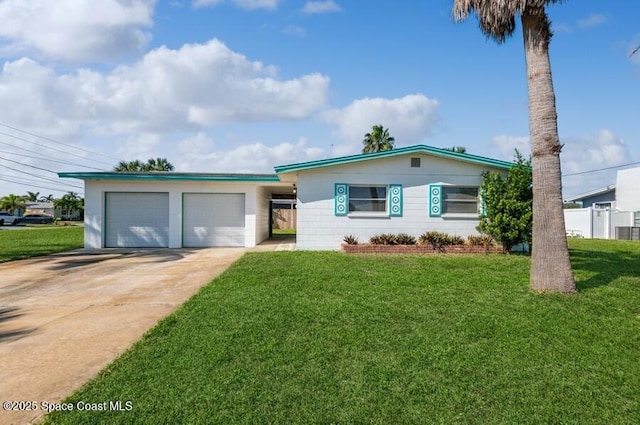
[
  {"x": 5, "y": 217},
  {"x": 36, "y": 218}
]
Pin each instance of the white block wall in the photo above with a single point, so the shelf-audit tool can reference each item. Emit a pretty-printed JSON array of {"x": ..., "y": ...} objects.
[
  {"x": 319, "y": 228},
  {"x": 628, "y": 190}
]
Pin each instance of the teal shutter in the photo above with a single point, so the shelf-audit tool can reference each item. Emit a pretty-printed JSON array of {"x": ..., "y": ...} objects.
[
  {"x": 482, "y": 204},
  {"x": 341, "y": 199},
  {"x": 395, "y": 200},
  {"x": 435, "y": 200}
]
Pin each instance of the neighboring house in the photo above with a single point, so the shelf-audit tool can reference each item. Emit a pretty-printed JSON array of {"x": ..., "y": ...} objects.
[
  {"x": 612, "y": 212},
  {"x": 628, "y": 189},
  {"x": 39, "y": 208},
  {"x": 412, "y": 190},
  {"x": 603, "y": 197}
]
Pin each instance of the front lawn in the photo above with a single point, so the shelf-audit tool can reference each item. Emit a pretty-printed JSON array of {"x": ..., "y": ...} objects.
[
  {"x": 304, "y": 338},
  {"x": 32, "y": 242}
]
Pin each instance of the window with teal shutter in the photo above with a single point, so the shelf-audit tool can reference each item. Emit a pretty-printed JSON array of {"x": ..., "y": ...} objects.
[
  {"x": 435, "y": 200},
  {"x": 341, "y": 199},
  {"x": 395, "y": 200}
]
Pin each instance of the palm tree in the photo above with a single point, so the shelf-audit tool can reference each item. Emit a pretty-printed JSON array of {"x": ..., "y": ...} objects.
[
  {"x": 48, "y": 198},
  {"x": 158, "y": 164},
  {"x": 11, "y": 203},
  {"x": 69, "y": 203},
  {"x": 550, "y": 266},
  {"x": 457, "y": 149},
  {"x": 378, "y": 140},
  {"x": 31, "y": 196},
  {"x": 128, "y": 166},
  {"x": 152, "y": 164}
]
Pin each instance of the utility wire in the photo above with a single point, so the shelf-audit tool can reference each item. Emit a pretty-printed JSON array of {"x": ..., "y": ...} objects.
[
  {"x": 66, "y": 152},
  {"x": 600, "y": 169},
  {"x": 40, "y": 177},
  {"x": 52, "y": 160},
  {"x": 38, "y": 186},
  {"x": 58, "y": 142}
]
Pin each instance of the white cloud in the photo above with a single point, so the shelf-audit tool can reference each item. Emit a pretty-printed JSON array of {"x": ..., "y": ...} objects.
[
  {"x": 410, "y": 119},
  {"x": 322, "y": 6},
  {"x": 244, "y": 4},
  {"x": 139, "y": 146},
  {"x": 508, "y": 144},
  {"x": 197, "y": 154},
  {"x": 593, "y": 20},
  {"x": 75, "y": 30},
  {"x": 167, "y": 90},
  {"x": 584, "y": 153}
]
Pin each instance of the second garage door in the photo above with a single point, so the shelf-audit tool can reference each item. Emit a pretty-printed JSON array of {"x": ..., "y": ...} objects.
[{"x": 213, "y": 219}]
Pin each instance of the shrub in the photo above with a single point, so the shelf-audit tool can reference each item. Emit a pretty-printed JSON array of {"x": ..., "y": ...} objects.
[
  {"x": 405, "y": 239},
  {"x": 480, "y": 240},
  {"x": 383, "y": 239},
  {"x": 350, "y": 240},
  {"x": 455, "y": 240},
  {"x": 437, "y": 240}
]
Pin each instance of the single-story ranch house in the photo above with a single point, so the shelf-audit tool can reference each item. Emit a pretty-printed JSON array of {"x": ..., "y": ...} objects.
[{"x": 410, "y": 190}]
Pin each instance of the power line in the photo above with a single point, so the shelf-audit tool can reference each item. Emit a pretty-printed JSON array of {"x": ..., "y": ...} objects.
[
  {"x": 51, "y": 160},
  {"x": 58, "y": 142},
  {"x": 36, "y": 185},
  {"x": 40, "y": 177},
  {"x": 600, "y": 169},
  {"x": 66, "y": 152}
]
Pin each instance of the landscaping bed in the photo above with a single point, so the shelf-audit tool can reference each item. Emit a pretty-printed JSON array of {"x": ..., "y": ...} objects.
[{"x": 418, "y": 249}]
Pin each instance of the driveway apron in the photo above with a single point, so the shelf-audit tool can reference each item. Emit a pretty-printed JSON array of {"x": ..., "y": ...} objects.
[{"x": 64, "y": 317}]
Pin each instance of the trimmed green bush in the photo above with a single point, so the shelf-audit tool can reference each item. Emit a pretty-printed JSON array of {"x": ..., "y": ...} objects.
[
  {"x": 481, "y": 240},
  {"x": 405, "y": 239},
  {"x": 350, "y": 240},
  {"x": 383, "y": 239}
]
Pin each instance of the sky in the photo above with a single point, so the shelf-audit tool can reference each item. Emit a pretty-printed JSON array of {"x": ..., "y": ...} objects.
[{"x": 245, "y": 85}]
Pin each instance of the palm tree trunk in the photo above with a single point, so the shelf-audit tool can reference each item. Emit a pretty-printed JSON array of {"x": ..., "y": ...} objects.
[{"x": 550, "y": 265}]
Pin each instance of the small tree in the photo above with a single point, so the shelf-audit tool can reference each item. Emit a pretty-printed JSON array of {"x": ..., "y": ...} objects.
[{"x": 508, "y": 208}]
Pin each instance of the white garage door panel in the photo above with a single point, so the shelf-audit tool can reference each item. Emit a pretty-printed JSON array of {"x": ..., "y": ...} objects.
[
  {"x": 137, "y": 220},
  {"x": 213, "y": 219}
]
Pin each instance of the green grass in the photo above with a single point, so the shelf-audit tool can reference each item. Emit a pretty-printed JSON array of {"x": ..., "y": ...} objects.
[
  {"x": 32, "y": 242},
  {"x": 306, "y": 338},
  {"x": 284, "y": 231}
]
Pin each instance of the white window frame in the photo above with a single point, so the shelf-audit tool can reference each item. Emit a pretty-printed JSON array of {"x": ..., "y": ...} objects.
[
  {"x": 384, "y": 213},
  {"x": 476, "y": 203}
]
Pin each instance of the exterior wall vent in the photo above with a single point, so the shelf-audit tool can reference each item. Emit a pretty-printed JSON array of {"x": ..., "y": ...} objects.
[{"x": 415, "y": 162}]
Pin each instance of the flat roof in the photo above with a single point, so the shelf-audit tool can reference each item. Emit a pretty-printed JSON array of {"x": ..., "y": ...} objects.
[{"x": 171, "y": 175}]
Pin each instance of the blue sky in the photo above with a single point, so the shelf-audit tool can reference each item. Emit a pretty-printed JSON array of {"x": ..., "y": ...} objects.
[{"x": 244, "y": 85}]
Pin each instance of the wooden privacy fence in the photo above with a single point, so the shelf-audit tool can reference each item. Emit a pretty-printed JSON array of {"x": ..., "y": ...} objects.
[{"x": 285, "y": 218}]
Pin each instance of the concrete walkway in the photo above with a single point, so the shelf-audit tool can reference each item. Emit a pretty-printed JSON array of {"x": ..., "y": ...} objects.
[{"x": 64, "y": 317}]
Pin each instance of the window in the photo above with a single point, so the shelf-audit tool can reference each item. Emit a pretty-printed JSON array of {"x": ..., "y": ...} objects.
[
  {"x": 367, "y": 199},
  {"x": 415, "y": 162},
  {"x": 459, "y": 200}
]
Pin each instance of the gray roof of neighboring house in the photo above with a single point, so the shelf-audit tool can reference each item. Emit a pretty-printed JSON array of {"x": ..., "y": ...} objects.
[{"x": 595, "y": 192}]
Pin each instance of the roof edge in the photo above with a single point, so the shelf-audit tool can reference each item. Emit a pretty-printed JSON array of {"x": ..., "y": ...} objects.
[
  {"x": 328, "y": 162},
  {"x": 155, "y": 176}
]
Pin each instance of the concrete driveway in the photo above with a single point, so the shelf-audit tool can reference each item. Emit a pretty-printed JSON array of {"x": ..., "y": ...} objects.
[{"x": 64, "y": 317}]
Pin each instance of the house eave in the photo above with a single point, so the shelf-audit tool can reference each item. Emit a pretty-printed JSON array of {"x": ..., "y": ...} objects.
[
  {"x": 424, "y": 149},
  {"x": 171, "y": 176}
]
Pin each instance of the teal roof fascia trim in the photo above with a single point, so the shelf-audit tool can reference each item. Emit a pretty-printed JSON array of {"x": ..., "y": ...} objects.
[
  {"x": 172, "y": 177},
  {"x": 395, "y": 152}
]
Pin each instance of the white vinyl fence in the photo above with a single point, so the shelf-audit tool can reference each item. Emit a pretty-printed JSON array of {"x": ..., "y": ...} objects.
[{"x": 596, "y": 223}]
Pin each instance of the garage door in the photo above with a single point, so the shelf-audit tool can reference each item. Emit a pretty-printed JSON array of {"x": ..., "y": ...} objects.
[
  {"x": 136, "y": 220},
  {"x": 213, "y": 219}
]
